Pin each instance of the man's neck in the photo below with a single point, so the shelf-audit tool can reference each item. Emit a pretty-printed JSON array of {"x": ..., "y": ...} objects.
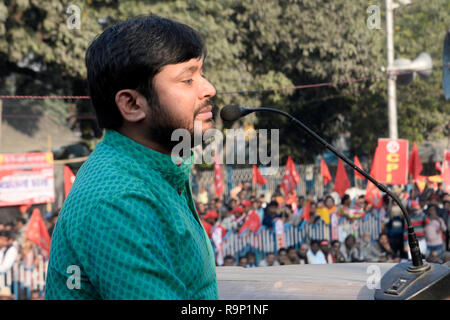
[{"x": 133, "y": 134}]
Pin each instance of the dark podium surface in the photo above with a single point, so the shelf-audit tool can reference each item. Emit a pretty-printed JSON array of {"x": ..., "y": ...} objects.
[{"x": 296, "y": 282}]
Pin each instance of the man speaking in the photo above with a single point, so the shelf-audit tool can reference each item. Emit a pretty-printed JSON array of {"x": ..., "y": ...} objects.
[{"x": 129, "y": 228}]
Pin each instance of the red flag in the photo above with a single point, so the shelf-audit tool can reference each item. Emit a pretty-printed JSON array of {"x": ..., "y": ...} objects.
[
  {"x": 307, "y": 211},
  {"x": 290, "y": 177},
  {"x": 373, "y": 194},
  {"x": 358, "y": 164},
  {"x": 324, "y": 172},
  {"x": 258, "y": 177},
  {"x": 341, "y": 183},
  {"x": 252, "y": 222},
  {"x": 437, "y": 166},
  {"x": 69, "y": 178},
  {"x": 414, "y": 163},
  {"x": 421, "y": 182},
  {"x": 218, "y": 178},
  {"x": 38, "y": 233}
]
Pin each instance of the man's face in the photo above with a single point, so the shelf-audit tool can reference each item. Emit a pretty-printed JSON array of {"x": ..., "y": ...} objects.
[
  {"x": 228, "y": 262},
  {"x": 270, "y": 259},
  {"x": 183, "y": 101},
  {"x": 303, "y": 250},
  {"x": 3, "y": 242},
  {"x": 243, "y": 262},
  {"x": 434, "y": 257},
  {"x": 325, "y": 248},
  {"x": 292, "y": 254},
  {"x": 315, "y": 247},
  {"x": 336, "y": 246}
]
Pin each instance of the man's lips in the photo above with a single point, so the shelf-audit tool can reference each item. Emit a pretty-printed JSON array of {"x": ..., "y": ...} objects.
[{"x": 205, "y": 113}]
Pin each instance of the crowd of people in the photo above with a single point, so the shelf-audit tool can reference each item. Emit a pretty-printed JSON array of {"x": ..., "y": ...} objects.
[
  {"x": 429, "y": 211},
  {"x": 15, "y": 249}
]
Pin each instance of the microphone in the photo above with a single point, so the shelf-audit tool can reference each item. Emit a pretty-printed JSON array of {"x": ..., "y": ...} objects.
[{"x": 409, "y": 280}]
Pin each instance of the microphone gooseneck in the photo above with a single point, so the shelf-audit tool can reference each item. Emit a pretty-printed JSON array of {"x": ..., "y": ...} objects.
[{"x": 234, "y": 112}]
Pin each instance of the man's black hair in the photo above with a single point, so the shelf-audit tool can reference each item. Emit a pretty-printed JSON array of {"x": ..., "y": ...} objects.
[
  {"x": 129, "y": 54},
  {"x": 6, "y": 234}
]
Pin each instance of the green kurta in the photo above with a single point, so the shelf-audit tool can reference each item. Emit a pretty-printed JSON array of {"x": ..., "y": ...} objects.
[{"x": 130, "y": 225}]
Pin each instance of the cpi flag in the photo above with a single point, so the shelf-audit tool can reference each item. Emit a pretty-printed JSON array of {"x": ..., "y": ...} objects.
[
  {"x": 392, "y": 161},
  {"x": 26, "y": 178},
  {"x": 38, "y": 233},
  {"x": 258, "y": 177},
  {"x": 324, "y": 172}
]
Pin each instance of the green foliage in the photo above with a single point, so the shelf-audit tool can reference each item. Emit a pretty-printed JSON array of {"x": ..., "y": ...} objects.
[{"x": 255, "y": 45}]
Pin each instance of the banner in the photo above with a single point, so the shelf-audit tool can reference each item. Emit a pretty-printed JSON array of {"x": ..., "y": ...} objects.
[
  {"x": 26, "y": 178},
  {"x": 393, "y": 161}
]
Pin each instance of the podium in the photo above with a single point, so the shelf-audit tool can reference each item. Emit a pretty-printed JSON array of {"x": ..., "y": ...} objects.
[{"x": 348, "y": 281}]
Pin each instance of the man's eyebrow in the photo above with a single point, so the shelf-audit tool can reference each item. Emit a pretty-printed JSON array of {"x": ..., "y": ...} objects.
[{"x": 191, "y": 68}]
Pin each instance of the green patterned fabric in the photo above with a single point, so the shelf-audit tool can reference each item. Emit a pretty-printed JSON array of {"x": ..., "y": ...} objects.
[{"x": 130, "y": 225}]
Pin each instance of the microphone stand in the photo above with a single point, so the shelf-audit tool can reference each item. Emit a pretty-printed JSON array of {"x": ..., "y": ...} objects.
[{"x": 416, "y": 280}]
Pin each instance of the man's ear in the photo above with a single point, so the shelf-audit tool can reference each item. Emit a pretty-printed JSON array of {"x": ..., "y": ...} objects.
[{"x": 132, "y": 105}]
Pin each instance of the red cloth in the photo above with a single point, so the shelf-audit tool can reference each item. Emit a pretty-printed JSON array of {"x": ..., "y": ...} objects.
[
  {"x": 341, "y": 183},
  {"x": 324, "y": 172},
  {"x": 437, "y": 166},
  {"x": 373, "y": 194},
  {"x": 290, "y": 177},
  {"x": 258, "y": 177},
  {"x": 414, "y": 164},
  {"x": 38, "y": 233},
  {"x": 69, "y": 178},
  {"x": 218, "y": 178},
  {"x": 252, "y": 222},
  {"x": 207, "y": 226},
  {"x": 358, "y": 164},
  {"x": 307, "y": 211}
]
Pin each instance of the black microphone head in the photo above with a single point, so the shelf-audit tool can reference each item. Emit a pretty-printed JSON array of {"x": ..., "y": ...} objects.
[{"x": 231, "y": 112}]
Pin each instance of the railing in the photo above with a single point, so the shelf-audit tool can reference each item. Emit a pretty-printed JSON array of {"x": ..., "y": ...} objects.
[
  {"x": 22, "y": 281},
  {"x": 264, "y": 241}
]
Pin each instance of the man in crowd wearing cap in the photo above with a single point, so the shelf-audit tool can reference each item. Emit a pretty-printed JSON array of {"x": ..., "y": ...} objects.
[
  {"x": 209, "y": 220},
  {"x": 326, "y": 249},
  {"x": 418, "y": 220}
]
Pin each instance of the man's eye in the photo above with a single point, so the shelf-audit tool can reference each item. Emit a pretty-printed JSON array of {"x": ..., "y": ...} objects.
[{"x": 189, "y": 81}]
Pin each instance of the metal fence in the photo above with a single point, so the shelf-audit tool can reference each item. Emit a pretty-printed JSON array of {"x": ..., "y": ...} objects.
[
  {"x": 21, "y": 280},
  {"x": 264, "y": 241}
]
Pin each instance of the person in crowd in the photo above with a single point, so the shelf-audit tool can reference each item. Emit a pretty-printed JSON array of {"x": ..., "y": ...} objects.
[
  {"x": 229, "y": 222},
  {"x": 419, "y": 220},
  {"x": 270, "y": 214},
  {"x": 240, "y": 214},
  {"x": 209, "y": 220},
  {"x": 315, "y": 255},
  {"x": 434, "y": 257},
  {"x": 350, "y": 251},
  {"x": 251, "y": 260},
  {"x": 292, "y": 255},
  {"x": 283, "y": 258},
  {"x": 269, "y": 261},
  {"x": 8, "y": 252},
  {"x": 257, "y": 206},
  {"x": 446, "y": 257},
  {"x": 202, "y": 196},
  {"x": 201, "y": 208},
  {"x": 243, "y": 262},
  {"x": 394, "y": 228},
  {"x": 338, "y": 257},
  {"x": 380, "y": 251},
  {"x": 302, "y": 253},
  {"x": 435, "y": 230},
  {"x": 234, "y": 192},
  {"x": 229, "y": 261},
  {"x": 325, "y": 248}
]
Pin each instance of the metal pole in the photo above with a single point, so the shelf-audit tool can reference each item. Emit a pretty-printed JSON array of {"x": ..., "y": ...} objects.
[{"x": 391, "y": 85}]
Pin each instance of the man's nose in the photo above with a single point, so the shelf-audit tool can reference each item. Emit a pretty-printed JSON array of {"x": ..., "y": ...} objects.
[{"x": 208, "y": 90}]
